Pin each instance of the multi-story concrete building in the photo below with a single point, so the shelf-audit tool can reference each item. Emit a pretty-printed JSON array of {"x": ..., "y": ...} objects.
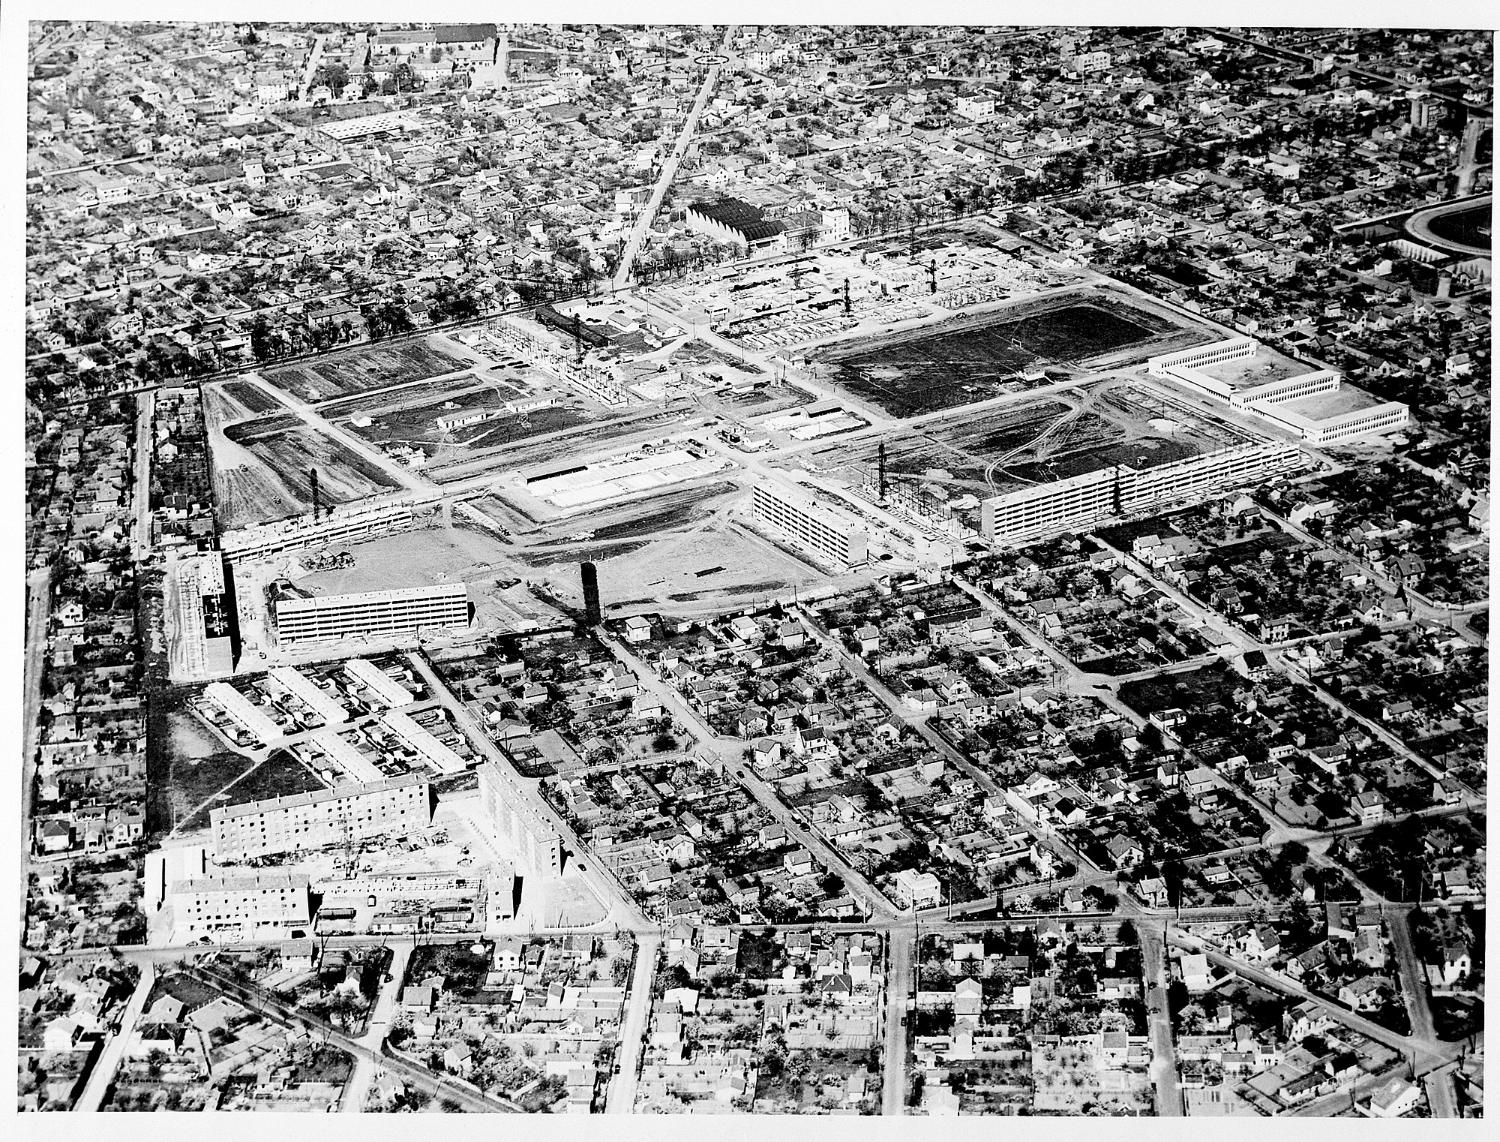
[
  {"x": 833, "y": 535},
  {"x": 325, "y": 817},
  {"x": 403, "y": 611},
  {"x": 516, "y": 819},
  {"x": 368, "y": 517},
  {"x": 241, "y": 903},
  {"x": 1313, "y": 404},
  {"x": 1041, "y": 511},
  {"x": 209, "y": 611}
]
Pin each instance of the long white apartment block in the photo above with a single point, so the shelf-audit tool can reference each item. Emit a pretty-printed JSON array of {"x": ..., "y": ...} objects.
[
  {"x": 434, "y": 752},
  {"x": 378, "y": 682},
  {"x": 1041, "y": 511},
  {"x": 513, "y": 815},
  {"x": 240, "y": 902},
  {"x": 245, "y": 712},
  {"x": 306, "y": 821},
  {"x": 327, "y": 707},
  {"x": 1186, "y": 360},
  {"x": 1389, "y": 416},
  {"x": 345, "y": 522},
  {"x": 402, "y": 611},
  {"x": 834, "y": 535}
]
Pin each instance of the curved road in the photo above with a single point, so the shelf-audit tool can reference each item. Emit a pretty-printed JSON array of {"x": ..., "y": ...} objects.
[{"x": 1419, "y": 226}]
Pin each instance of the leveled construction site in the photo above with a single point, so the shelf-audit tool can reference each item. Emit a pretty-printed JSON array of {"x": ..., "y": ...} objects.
[{"x": 1000, "y": 349}]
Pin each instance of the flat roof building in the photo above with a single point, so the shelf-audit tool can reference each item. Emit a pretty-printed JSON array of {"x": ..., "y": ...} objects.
[
  {"x": 833, "y": 535},
  {"x": 402, "y": 611},
  {"x": 241, "y": 903},
  {"x": 327, "y": 707},
  {"x": 245, "y": 712},
  {"x": 378, "y": 683},
  {"x": 432, "y": 751},
  {"x": 514, "y": 817},
  {"x": 327, "y": 816},
  {"x": 1041, "y": 511},
  {"x": 342, "y": 759}
]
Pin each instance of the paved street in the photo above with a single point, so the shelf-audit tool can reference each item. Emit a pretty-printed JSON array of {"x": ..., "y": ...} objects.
[
  {"x": 622, "y": 1085},
  {"x": 669, "y": 169},
  {"x": 900, "y": 982},
  {"x": 38, "y": 612},
  {"x": 103, "y": 1074},
  {"x": 1159, "y": 1020}
]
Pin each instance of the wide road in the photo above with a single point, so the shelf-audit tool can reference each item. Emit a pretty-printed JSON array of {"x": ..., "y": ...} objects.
[
  {"x": 898, "y": 985},
  {"x": 668, "y": 170},
  {"x": 145, "y": 404},
  {"x": 621, "y": 1099},
  {"x": 366, "y": 1069},
  {"x": 1428, "y": 1050},
  {"x": 1441, "y": 1097}
]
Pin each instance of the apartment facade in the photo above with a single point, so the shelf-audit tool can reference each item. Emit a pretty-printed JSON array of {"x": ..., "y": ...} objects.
[
  {"x": 1042, "y": 511},
  {"x": 327, "y": 816},
  {"x": 373, "y": 613},
  {"x": 829, "y": 533},
  {"x": 241, "y": 903}
]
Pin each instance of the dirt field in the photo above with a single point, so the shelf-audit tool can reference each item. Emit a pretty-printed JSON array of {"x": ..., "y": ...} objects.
[
  {"x": 262, "y": 474},
  {"x": 526, "y": 449},
  {"x": 411, "y": 559},
  {"x": 699, "y": 569},
  {"x": 976, "y": 357},
  {"x": 242, "y": 399},
  {"x": 361, "y": 370}
]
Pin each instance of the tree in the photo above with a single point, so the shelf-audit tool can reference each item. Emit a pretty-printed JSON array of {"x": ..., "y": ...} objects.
[{"x": 333, "y": 76}]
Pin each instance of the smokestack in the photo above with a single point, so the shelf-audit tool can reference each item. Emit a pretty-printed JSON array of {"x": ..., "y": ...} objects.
[
  {"x": 591, "y": 612},
  {"x": 846, "y": 297},
  {"x": 932, "y": 276},
  {"x": 312, "y": 474}
]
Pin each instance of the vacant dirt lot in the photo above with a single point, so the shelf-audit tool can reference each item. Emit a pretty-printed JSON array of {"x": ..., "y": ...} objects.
[{"x": 360, "y": 370}]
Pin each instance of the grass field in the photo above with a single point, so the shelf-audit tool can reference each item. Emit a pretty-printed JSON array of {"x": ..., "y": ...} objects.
[
  {"x": 361, "y": 370},
  {"x": 197, "y": 767},
  {"x": 279, "y": 775}
]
